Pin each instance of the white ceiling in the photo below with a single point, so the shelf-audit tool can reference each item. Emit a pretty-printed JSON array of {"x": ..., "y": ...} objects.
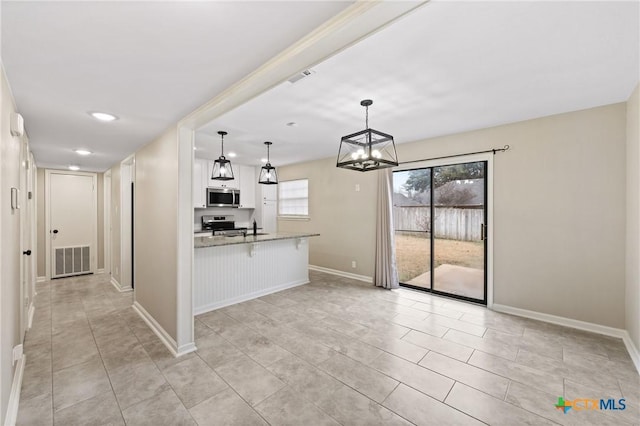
[
  {"x": 449, "y": 67},
  {"x": 150, "y": 63}
]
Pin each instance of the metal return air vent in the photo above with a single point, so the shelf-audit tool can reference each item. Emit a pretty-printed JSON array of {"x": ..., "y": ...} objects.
[{"x": 72, "y": 261}]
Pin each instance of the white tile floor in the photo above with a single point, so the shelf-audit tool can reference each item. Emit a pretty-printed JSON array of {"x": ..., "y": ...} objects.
[{"x": 335, "y": 351}]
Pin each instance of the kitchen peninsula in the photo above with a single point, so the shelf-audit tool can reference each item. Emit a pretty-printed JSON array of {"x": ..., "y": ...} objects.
[{"x": 230, "y": 270}]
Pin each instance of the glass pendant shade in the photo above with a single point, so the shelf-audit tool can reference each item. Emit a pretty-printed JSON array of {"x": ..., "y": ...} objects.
[
  {"x": 222, "y": 169},
  {"x": 268, "y": 174},
  {"x": 367, "y": 149}
]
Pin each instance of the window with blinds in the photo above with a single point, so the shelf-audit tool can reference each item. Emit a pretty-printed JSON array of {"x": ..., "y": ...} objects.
[{"x": 293, "y": 198}]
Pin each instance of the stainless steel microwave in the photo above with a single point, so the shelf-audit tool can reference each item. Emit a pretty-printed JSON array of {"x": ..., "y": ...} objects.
[{"x": 223, "y": 197}]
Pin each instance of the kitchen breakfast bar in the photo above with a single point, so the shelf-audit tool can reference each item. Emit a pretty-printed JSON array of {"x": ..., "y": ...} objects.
[{"x": 230, "y": 270}]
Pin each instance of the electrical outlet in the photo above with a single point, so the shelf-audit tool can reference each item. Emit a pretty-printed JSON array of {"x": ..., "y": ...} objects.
[
  {"x": 357, "y": 187},
  {"x": 353, "y": 264}
]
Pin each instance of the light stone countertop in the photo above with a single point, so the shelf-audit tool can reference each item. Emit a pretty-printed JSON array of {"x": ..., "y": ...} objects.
[{"x": 221, "y": 240}]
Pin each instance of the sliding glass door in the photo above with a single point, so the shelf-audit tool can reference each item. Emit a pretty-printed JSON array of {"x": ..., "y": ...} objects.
[
  {"x": 440, "y": 223},
  {"x": 412, "y": 224}
]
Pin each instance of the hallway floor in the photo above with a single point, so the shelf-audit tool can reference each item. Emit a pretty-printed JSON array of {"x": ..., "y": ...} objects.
[{"x": 335, "y": 351}]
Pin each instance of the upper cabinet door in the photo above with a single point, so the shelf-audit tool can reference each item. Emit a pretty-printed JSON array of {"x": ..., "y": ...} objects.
[
  {"x": 231, "y": 184},
  {"x": 248, "y": 187},
  {"x": 200, "y": 183}
]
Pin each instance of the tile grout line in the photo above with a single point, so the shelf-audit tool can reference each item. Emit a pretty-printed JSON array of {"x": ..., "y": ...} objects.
[
  {"x": 232, "y": 388},
  {"x": 104, "y": 366},
  {"x": 167, "y": 382},
  {"x": 317, "y": 368},
  {"x": 384, "y": 374},
  {"x": 266, "y": 368}
]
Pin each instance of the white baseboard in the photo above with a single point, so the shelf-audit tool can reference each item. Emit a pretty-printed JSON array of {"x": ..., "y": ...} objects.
[
  {"x": 162, "y": 334},
  {"x": 573, "y": 323},
  {"x": 100, "y": 271},
  {"x": 41, "y": 279},
  {"x": 634, "y": 353},
  {"x": 118, "y": 287},
  {"x": 342, "y": 273},
  {"x": 567, "y": 322},
  {"x": 32, "y": 310},
  {"x": 232, "y": 301},
  {"x": 14, "y": 396}
]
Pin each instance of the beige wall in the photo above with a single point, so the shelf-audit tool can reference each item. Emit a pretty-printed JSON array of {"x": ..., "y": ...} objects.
[
  {"x": 632, "y": 296},
  {"x": 344, "y": 218},
  {"x": 155, "y": 230},
  {"x": 10, "y": 255},
  {"x": 41, "y": 230},
  {"x": 559, "y": 197},
  {"x": 115, "y": 221}
]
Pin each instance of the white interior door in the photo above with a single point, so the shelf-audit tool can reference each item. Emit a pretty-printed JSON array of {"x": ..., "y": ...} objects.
[
  {"x": 107, "y": 222},
  {"x": 72, "y": 223},
  {"x": 127, "y": 179}
]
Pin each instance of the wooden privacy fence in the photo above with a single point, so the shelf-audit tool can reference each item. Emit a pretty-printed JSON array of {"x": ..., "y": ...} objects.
[{"x": 454, "y": 223}]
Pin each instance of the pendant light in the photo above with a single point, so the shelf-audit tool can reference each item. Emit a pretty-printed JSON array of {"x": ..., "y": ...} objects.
[
  {"x": 268, "y": 175},
  {"x": 222, "y": 167},
  {"x": 367, "y": 149}
]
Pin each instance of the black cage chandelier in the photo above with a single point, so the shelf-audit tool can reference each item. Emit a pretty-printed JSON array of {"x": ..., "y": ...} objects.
[
  {"x": 367, "y": 149},
  {"x": 268, "y": 175},
  {"x": 222, "y": 167}
]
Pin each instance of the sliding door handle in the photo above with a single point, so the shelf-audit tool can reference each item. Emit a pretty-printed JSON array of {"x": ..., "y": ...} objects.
[{"x": 482, "y": 231}]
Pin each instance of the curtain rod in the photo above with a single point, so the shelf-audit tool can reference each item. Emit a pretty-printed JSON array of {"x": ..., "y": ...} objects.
[{"x": 506, "y": 147}]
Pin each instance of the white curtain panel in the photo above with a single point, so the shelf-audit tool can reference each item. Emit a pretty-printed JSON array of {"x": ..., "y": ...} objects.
[{"x": 386, "y": 272}]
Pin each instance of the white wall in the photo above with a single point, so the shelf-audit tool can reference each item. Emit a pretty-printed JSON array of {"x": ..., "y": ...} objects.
[
  {"x": 559, "y": 209},
  {"x": 632, "y": 294},
  {"x": 10, "y": 255}
]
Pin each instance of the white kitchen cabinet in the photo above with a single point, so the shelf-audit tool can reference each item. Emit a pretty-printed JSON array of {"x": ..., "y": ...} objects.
[
  {"x": 270, "y": 216},
  {"x": 269, "y": 192},
  {"x": 231, "y": 184},
  {"x": 247, "y": 187},
  {"x": 266, "y": 213},
  {"x": 200, "y": 183}
]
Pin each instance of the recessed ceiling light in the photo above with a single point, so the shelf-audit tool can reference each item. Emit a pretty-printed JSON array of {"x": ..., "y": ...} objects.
[
  {"x": 194, "y": 148},
  {"x": 103, "y": 116},
  {"x": 74, "y": 168},
  {"x": 232, "y": 154},
  {"x": 292, "y": 124},
  {"x": 82, "y": 152}
]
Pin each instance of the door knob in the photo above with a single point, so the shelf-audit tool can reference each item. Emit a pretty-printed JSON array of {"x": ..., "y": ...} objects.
[
  {"x": 28, "y": 252},
  {"x": 55, "y": 231}
]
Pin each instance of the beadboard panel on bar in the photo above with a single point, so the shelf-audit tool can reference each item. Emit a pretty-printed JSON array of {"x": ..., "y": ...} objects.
[{"x": 228, "y": 274}]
